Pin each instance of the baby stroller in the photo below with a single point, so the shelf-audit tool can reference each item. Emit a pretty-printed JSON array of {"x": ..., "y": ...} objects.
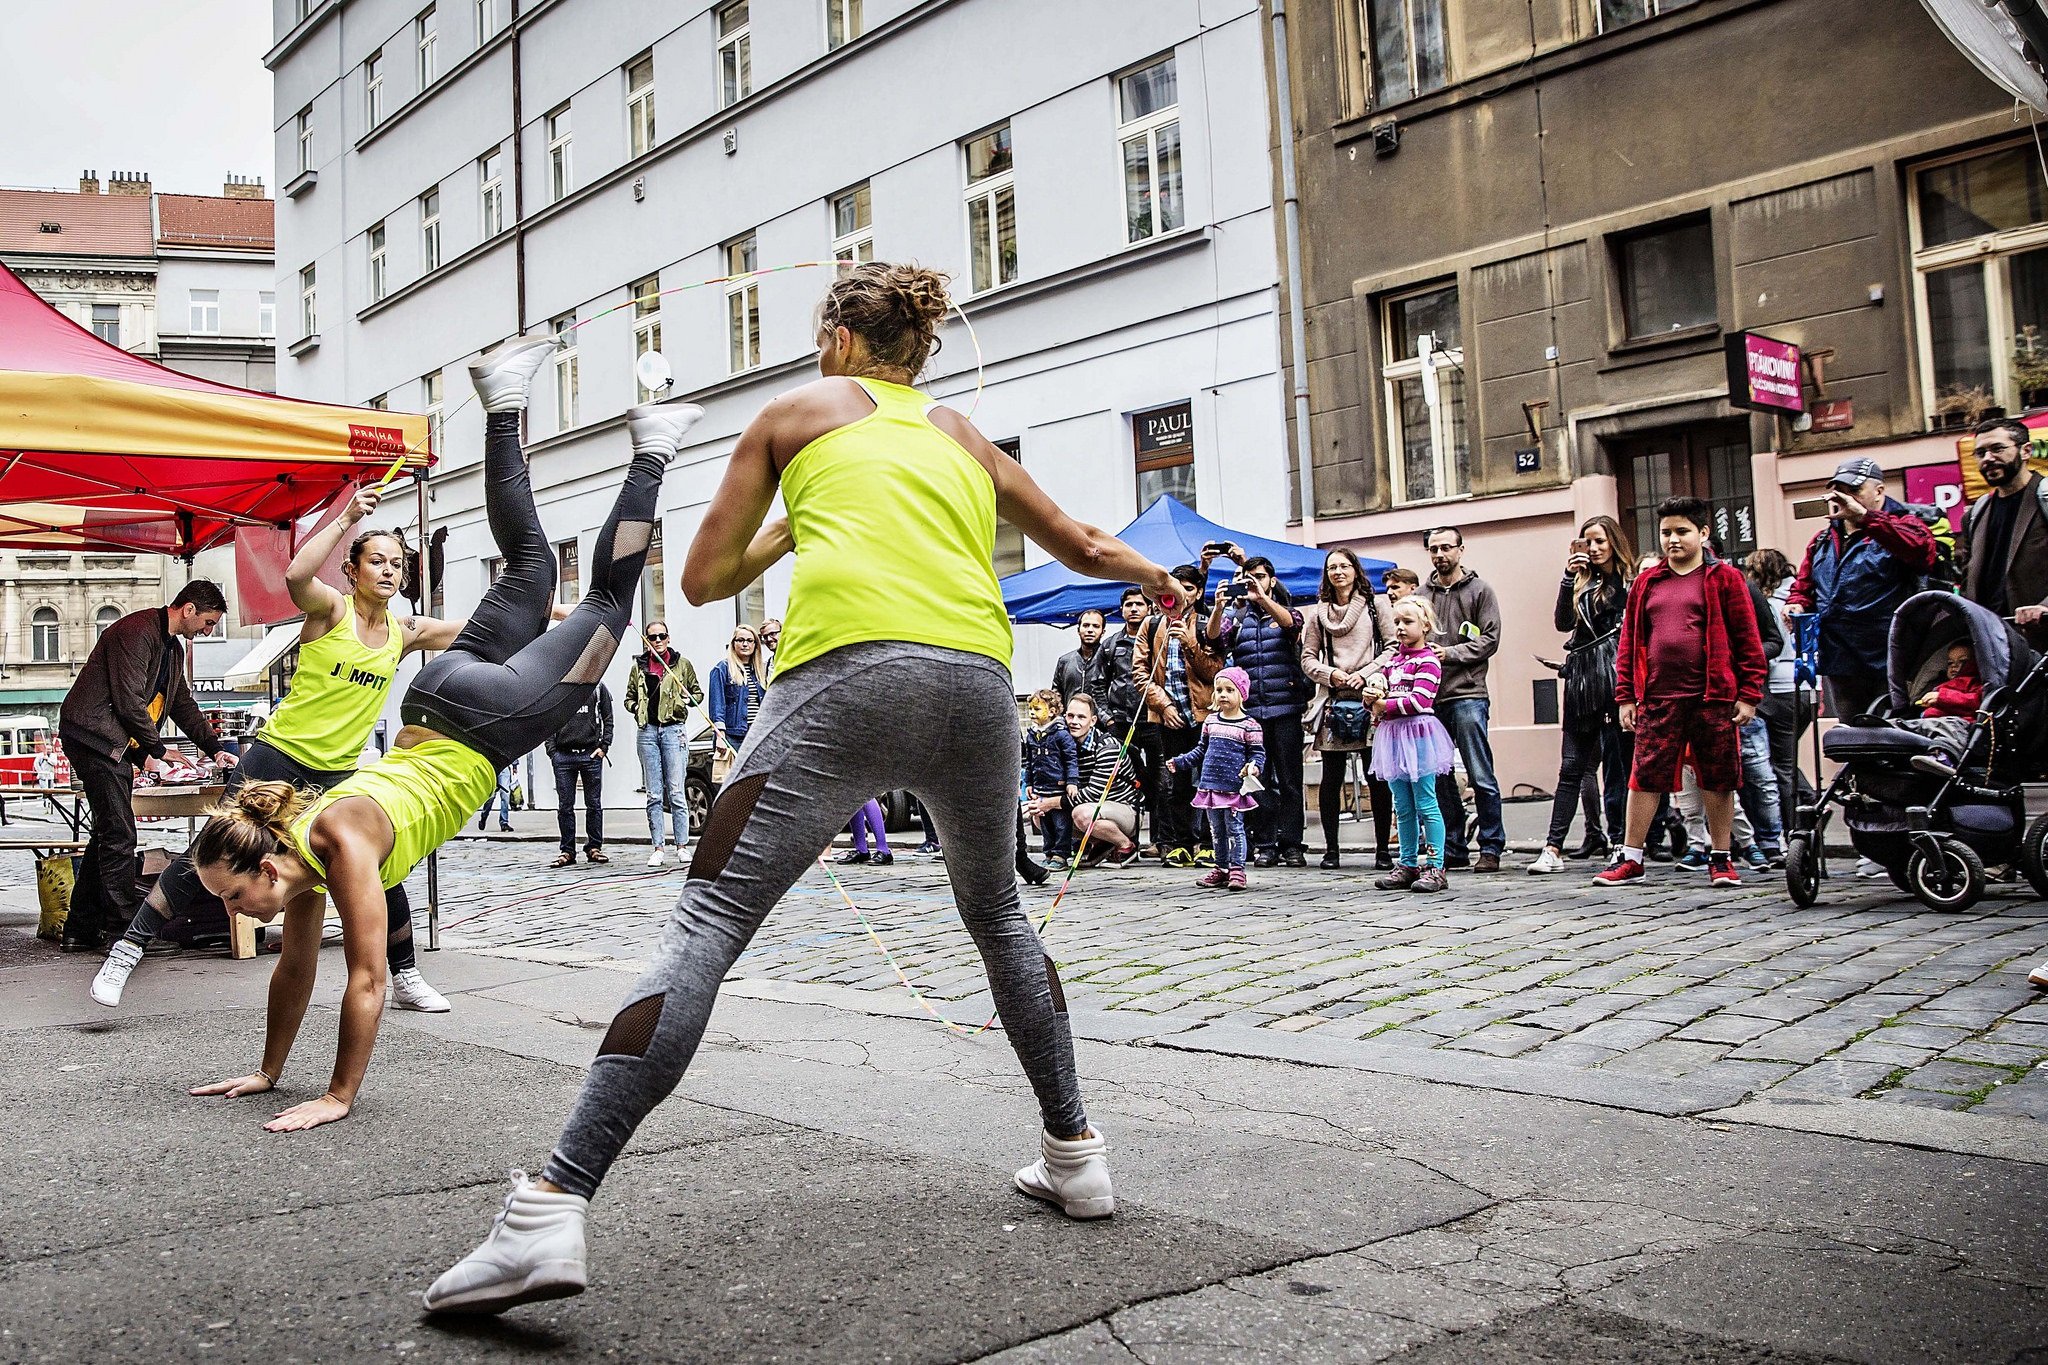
[{"x": 1934, "y": 824}]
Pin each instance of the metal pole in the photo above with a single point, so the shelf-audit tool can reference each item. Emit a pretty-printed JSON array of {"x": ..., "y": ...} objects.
[
  {"x": 426, "y": 608},
  {"x": 1297, "y": 327}
]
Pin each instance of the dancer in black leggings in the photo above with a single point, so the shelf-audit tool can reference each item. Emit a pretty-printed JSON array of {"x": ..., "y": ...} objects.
[{"x": 505, "y": 684}]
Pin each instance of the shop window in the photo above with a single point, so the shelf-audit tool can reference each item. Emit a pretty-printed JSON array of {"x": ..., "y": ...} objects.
[
  {"x": 1666, "y": 278},
  {"x": 568, "y": 576},
  {"x": 1404, "y": 48},
  {"x": 1424, "y": 378},
  {"x": 1981, "y": 269},
  {"x": 1621, "y": 13},
  {"x": 991, "y": 209},
  {"x": 1163, "y": 443},
  {"x": 1149, "y": 104},
  {"x": 1009, "y": 550}
]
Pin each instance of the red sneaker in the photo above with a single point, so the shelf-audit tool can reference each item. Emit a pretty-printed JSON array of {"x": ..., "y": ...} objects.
[
  {"x": 1215, "y": 879},
  {"x": 1620, "y": 870},
  {"x": 1721, "y": 871},
  {"x": 1237, "y": 882}
]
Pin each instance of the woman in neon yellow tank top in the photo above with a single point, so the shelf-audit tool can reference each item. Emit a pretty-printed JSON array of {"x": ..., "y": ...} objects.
[
  {"x": 893, "y": 671},
  {"x": 505, "y": 683},
  {"x": 349, "y": 649}
]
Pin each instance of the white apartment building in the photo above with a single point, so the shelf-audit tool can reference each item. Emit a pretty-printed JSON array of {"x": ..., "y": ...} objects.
[{"x": 1095, "y": 177}]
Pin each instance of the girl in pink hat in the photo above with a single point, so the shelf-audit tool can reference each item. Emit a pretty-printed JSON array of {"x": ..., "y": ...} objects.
[{"x": 1228, "y": 758}]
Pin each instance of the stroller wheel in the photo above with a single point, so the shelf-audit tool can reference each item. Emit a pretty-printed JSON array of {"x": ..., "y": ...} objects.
[
  {"x": 1951, "y": 880},
  {"x": 1897, "y": 872},
  {"x": 2034, "y": 856},
  {"x": 1802, "y": 871}
]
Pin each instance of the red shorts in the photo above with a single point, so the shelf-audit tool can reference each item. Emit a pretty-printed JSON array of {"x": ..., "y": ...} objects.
[{"x": 1674, "y": 732}]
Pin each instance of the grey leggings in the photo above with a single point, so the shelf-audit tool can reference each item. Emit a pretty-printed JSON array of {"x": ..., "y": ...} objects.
[{"x": 832, "y": 732}]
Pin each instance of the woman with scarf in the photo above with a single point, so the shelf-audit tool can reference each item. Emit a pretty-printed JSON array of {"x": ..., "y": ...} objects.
[
  {"x": 1340, "y": 637},
  {"x": 659, "y": 694}
]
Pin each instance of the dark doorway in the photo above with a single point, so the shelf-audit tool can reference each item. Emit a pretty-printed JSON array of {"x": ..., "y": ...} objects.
[{"x": 1709, "y": 461}]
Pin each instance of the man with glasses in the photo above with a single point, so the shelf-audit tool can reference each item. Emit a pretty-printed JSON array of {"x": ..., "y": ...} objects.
[
  {"x": 1468, "y": 635},
  {"x": 659, "y": 694},
  {"x": 2004, "y": 544},
  {"x": 771, "y": 636}
]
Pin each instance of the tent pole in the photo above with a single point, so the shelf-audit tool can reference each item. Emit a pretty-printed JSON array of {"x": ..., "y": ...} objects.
[{"x": 426, "y": 608}]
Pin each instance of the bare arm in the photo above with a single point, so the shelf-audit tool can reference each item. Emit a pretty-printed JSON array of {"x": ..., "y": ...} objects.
[
  {"x": 322, "y": 602},
  {"x": 291, "y": 989},
  {"x": 732, "y": 548}
]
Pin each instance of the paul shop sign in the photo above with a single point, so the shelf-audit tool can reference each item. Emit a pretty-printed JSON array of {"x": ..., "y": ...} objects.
[{"x": 1764, "y": 374}]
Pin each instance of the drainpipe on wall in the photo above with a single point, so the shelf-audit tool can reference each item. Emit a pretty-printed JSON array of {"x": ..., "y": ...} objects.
[
  {"x": 1297, "y": 327},
  {"x": 518, "y": 179}
]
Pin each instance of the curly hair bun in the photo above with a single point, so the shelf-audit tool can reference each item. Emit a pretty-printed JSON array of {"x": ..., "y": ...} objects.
[
  {"x": 920, "y": 292},
  {"x": 270, "y": 804},
  {"x": 895, "y": 308}
]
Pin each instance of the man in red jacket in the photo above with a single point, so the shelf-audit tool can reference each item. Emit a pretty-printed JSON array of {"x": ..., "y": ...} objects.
[{"x": 1688, "y": 675}]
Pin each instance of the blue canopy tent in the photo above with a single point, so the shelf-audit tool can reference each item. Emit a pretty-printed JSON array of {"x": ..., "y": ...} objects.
[{"x": 1167, "y": 533}]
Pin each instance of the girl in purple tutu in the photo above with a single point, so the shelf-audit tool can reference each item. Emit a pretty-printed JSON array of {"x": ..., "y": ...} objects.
[
  {"x": 1231, "y": 751},
  {"x": 1411, "y": 748}
]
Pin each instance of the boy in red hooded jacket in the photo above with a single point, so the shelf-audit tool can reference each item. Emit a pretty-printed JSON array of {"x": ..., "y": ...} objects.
[{"x": 1688, "y": 675}]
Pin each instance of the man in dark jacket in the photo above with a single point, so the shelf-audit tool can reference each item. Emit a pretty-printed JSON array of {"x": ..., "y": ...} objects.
[
  {"x": 134, "y": 677},
  {"x": 2004, "y": 542},
  {"x": 1468, "y": 636},
  {"x": 1070, "y": 674},
  {"x": 1869, "y": 558},
  {"x": 578, "y": 750},
  {"x": 1261, "y": 631}
]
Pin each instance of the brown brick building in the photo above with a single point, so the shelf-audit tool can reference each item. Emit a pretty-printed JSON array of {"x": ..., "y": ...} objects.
[{"x": 1563, "y": 208}]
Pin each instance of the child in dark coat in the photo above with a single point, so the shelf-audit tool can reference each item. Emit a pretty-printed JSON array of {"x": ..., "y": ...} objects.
[{"x": 1052, "y": 772}]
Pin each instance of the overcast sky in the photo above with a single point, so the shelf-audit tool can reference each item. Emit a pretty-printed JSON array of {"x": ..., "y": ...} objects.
[{"x": 175, "y": 88}]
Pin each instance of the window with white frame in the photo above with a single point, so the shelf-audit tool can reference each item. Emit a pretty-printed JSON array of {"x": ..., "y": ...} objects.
[
  {"x": 309, "y": 303},
  {"x": 991, "y": 209},
  {"x": 430, "y": 404},
  {"x": 426, "y": 41},
  {"x": 742, "y": 306},
  {"x": 490, "y": 170},
  {"x": 568, "y": 373},
  {"x": 558, "y": 154},
  {"x": 45, "y": 635},
  {"x": 1148, "y": 103},
  {"x": 266, "y": 314},
  {"x": 106, "y": 322},
  {"x": 486, "y": 20},
  {"x": 1404, "y": 48},
  {"x": 1980, "y": 258},
  {"x": 1619, "y": 13},
  {"x": 1423, "y": 372},
  {"x": 646, "y": 329},
  {"x": 430, "y": 231},
  {"x": 205, "y": 312},
  {"x": 653, "y": 591},
  {"x": 104, "y": 617},
  {"x": 303, "y": 126},
  {"x": 373, "y": 90},
  {"x": 381, "y": 403},
  {"x": 735, "y": 54},
  {"x": 640, "y": 104},
  {"x": 380, "y": 273},
  {"x": 842, "y": 22},
  {"x": 568, "y": 573},
  {"x": 853, "y": 232}
]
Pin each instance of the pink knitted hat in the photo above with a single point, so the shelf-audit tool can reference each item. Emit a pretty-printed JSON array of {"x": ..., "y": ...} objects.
[{"x": 1239, "y": 679}]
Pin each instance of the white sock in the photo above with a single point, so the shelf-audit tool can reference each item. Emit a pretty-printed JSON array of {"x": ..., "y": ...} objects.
[{"x": 1631, "y": 855}]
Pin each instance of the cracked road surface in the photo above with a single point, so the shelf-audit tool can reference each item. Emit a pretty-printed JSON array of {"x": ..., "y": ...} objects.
[{"x": 833, "y": 1185}]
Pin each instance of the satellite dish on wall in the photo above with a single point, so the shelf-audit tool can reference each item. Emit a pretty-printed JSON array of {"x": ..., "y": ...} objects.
[
  {"x": 2005, "y": 39},
  {"x": 653, "y": 372}
]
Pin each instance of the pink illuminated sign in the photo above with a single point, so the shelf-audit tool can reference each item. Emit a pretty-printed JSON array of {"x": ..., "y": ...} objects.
[{"x": 1763, "y": 374}]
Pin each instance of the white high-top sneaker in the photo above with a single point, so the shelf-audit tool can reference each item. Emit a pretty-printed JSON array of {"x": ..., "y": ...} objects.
[
  {"x": 654, "y": 858},
  {"x": 410, "y": 991},
  {"x": 113, "y": 973},
  {"x": 659, "y": 427},
  {"x": 1071, "y": 1176},
  {"x": 502, "y": 374},
  {"x": 535, "y": 1251},
  {"x": 2039, "y": 976}
]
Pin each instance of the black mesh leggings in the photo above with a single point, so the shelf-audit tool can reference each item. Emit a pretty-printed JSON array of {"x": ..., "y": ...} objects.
[{"x": 508, "y": 682}]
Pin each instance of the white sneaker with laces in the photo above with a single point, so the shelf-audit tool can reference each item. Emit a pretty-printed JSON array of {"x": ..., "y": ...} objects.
[
  {"x": 1866, "y": 867},
  {"x": 503, "y": 373},
  {"x": 654, "y": 858},
  {"x": 1547, "y": 861},
  {"x": 113, "y": 973},
  {"x": 2039, "y": 976},
  {"x": 410, "y": 991},
  {"x": 535, "y": 1251},
  {"x": 659, "y": 427},
  {"x": 1073, "y": 1176}
]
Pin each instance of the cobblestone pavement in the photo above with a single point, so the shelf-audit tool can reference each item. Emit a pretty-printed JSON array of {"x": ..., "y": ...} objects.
[{"x": 1866, "y": 995}]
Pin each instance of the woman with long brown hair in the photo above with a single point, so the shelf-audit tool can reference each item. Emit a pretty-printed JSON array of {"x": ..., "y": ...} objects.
[
  {"x": 1340, "y": 637},
  {"x": 1590, "y": 601}
]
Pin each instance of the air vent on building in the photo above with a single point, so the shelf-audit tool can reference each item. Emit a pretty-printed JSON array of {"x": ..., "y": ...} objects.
[{"x": 47, "y": 226}]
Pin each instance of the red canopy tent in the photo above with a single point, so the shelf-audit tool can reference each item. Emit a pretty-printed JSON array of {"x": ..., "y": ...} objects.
[{"x": 101, "y": 449}]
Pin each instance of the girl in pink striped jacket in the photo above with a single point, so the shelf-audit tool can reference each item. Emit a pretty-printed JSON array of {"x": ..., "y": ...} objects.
[{"x": 1411, "y": 748}]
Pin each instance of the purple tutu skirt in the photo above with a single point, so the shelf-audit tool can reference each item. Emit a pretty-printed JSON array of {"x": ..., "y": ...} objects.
[
  {"x": 1224, "y": 801},
  {"x": 1410, "y": 748}
]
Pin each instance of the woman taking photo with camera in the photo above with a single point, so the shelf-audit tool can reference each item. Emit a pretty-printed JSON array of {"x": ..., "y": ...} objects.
[
  {"x": 1340, "y": 637},
  {"x": 1590, "y": 600}
]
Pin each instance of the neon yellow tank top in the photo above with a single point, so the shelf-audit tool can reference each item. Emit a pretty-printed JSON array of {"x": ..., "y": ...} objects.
[
  {"x": 336, "y": 696},
  {"x": 895, "y": 528},
  {"x": 426, "y": 791}
]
